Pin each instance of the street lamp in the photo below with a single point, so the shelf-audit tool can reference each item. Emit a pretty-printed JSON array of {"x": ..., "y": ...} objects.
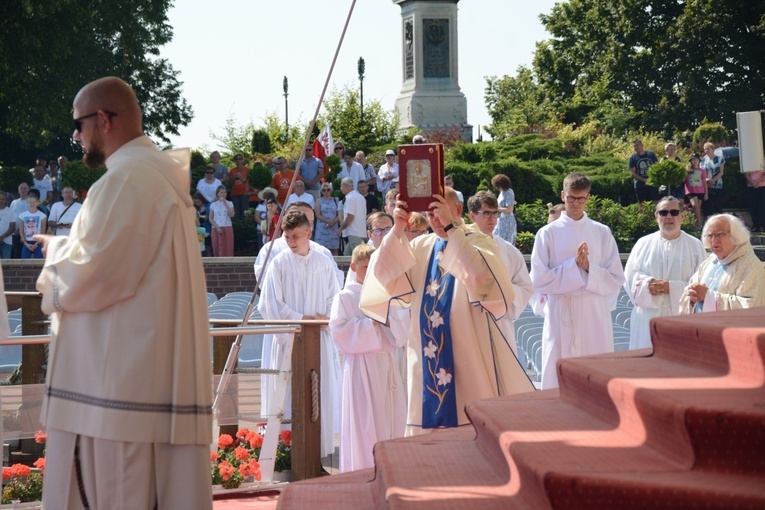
[
  {"x": 361, "y": 87},
  {"x": 285, "y": 85}
]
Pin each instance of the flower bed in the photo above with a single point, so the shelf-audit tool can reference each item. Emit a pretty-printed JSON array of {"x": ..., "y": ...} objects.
[{"x": 236, "y": 459}]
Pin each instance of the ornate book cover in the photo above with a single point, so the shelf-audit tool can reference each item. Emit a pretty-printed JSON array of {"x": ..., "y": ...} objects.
[{"x": 420, "y": 174}]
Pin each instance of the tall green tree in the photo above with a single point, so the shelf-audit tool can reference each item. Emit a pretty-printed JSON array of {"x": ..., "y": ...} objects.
[
  {"x": 659, "y": 65},
  {"x": 50, "y": 49},
  {"x": 516, "y": 105},
  {"x": 342, "y": 109}
]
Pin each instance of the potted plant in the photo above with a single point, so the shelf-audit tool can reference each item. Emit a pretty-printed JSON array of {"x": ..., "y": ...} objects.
[{"x": 236, "y": 460}]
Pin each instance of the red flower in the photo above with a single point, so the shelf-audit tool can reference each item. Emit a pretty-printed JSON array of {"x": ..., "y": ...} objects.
[
  {"x": 226, "y": 470},
  {"x": 40, "y": 464},
  {"x": 242, "y": 433},
  {"x": 224, "y": 441},
  {"x": 20, "y": 470},
  {"x": 286, "y": 437},
  {"x": 213, "y": 456},
  {"x": 241, "y": 453},
  {"x": 253, "y": 468},
  {"x": 41, "y": 436},
  {"x": 7, "y": 474},
  {"x": 256, "y": 440}
]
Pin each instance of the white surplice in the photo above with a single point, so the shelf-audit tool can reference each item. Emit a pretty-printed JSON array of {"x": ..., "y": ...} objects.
[
  {"x": 295, "y": 286},
  {"x": 519, "y": 275},
  {"x": 267, "y": 381},
  {"x": 374, "y": 408},
  {"x": 484, "y": 363},
  {"x": 579, "y": 303},
  {"x": 655, "y": 257}
]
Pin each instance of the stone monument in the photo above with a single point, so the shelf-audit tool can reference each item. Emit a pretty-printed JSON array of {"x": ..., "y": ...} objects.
[{"x": 430, "y": 97}]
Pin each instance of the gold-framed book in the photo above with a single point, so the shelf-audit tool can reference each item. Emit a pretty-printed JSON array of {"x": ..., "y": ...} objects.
[{"x": 420, "y": 174}]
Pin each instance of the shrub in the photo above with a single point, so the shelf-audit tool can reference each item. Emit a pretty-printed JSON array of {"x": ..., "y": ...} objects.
[
  {"x": 261, "y": 142},
  {"x": 531, "y": 216},
  {"x": 259, "y": 176},
  {"x": 197, "y": 159},
  {"x": 12, "y": 176},
  {"x": 525, "y": 242},
  {"x": 710, "y": 132},
  {"x": 80, "y": 177},
  {"x": 667, "y": 173}
]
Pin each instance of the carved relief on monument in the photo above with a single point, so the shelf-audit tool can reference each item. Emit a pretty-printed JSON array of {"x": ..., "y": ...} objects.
[
  {"x": 435, "y": 48},
  {"x": 419, "y": 114},
  {"x": 459, "y": 109},
  {"x": 408, "y": 50}
]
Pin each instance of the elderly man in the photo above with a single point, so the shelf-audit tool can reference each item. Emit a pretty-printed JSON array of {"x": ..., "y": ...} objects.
[
  {"x": 457, "y": 287},
  {"x": 732, "y": 277},
  {"x": 658, "y": 270},
  {"x": 128, "y": 395}
]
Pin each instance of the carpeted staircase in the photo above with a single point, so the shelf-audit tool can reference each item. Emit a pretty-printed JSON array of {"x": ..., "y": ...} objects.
[{"x": 682, "y": 427}]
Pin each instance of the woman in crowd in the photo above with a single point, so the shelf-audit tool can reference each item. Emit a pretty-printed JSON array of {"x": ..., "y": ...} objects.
[
  {"x": 221, "y": 212},
  {"x": 715, "y": 168},
  {"x": 209, "y": 184},
  {"x": 506, "y": 226},
  {"x": 696, "y": 187},
  {"x": 327, "y": 217}
]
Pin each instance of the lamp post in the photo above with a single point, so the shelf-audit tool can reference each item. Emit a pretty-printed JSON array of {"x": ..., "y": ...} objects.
[
  {"x": 285, "y": 85},
  {"x": 361, "y": 87}
]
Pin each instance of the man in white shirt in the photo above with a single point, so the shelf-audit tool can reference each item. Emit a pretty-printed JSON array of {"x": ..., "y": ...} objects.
[
  {"x": 300, "y": 195},
  {"x": 62, "y": 213},
  {"x": 387, "y": 172},
  {"x": 350, "y": 168},
  {"x": 41, "y": 182},
  {"x": 19, "y": 206},
  {"x": 354, "y": 225}
]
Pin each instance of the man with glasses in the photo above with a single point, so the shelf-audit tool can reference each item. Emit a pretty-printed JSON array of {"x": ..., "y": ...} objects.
[
  {"x": 658, "y": 270},
  {"x": 282, "y": 179},
  {"x": 311, "y": 172},
  {"x": 575, "y": 262},
  {"x": 128, "y": 400},
  {"x": 732, "y": 277},
  {"x": 483, "y": 209}
]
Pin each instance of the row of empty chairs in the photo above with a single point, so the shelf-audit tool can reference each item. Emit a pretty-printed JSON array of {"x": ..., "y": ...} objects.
[{"x": 528, "y": 334}]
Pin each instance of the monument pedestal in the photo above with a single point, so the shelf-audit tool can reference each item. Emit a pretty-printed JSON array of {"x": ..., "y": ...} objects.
[{"x": 430, "y": 98}]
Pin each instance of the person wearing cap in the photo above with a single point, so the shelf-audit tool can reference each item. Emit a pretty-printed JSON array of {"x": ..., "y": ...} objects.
[
  {"x": 312, "y": 171},
  {"x": 696, "y": 187},
  {"x": 670, "y": 148},
  {"x": 638, "y": 164},
  {"x": 658, "y": 269},
  {"x": 387, "y": 172}
]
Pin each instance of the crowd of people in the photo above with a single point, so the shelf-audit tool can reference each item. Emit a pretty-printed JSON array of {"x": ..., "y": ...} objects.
[{"x": 45, "y": 207}]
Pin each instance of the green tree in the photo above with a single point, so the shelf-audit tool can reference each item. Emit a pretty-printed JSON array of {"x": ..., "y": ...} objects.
[
  {"x": 342, "y": 109},
  {"x": 49, "y": 50},
  {"x": 236, "y": 138},
  {"x": 659, "y": 65},
  {"x": 516, "y": 105}
]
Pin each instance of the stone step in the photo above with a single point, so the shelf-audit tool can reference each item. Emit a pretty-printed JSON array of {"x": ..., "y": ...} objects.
[{"x": 348, "y": 491}]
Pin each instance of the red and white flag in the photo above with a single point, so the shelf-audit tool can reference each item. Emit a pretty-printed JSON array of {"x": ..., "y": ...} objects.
[{"x": 323, "y": 144}]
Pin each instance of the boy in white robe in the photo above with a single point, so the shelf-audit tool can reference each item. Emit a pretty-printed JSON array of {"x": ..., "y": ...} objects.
[
  {"x": 484, "y": 211},
  {"x": 658, "y": 269},
  {"x": 300, "y": 285},
  {"x": 373, "y": 408},
  {"x": 575, "y": 261}
]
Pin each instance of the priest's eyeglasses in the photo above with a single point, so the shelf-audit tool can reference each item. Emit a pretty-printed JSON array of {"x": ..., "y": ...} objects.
[
  {"x": 489, "y": 214},
  {"x": 381, "y": 231},
  {"x": 673, "y": 212},
  {"x": 716, "y": 235},
  {"x": 576, "y": 200},
  {"x": 78, "y": 120}
]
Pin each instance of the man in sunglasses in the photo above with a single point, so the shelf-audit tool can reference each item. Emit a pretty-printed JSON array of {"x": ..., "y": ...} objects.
[
  {"x": 128, "y": 400},
  {"x": 575, "y": 262},
  {"x": 658, "y": 270}
]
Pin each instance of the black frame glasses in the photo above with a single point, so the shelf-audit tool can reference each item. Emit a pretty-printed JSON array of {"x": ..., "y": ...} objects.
[
  {"x": 78, "y": 120},
  {"x": 673, "y": 212},
  {"x": 489, "y": 214},
  {"x": 381, "y": 231},
  {"x": 576, "y": 200}
]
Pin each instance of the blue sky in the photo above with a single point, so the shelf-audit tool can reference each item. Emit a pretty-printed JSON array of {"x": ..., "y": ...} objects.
[{"x": 233, "y": 54}]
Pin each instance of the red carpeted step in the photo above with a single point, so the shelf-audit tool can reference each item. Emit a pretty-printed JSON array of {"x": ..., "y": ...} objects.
[{"x": 349, "y": 491}]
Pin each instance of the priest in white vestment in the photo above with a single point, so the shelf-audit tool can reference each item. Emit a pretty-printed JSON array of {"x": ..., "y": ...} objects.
[
  {"x": 483, "y": 209},
  {"x": 575, "y": 261},
  {"x": 374, "y": 407},
  {"x": 732, "y": 277},
  {"x": 299, "y": 285},
  {"x": 658, "y": 269},
  {"x": 457, "y": 288},
  {"x": 128, "y": 394}
]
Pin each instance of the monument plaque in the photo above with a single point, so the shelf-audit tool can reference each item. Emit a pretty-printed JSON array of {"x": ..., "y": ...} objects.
[{"x": 435, "y": 48}]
